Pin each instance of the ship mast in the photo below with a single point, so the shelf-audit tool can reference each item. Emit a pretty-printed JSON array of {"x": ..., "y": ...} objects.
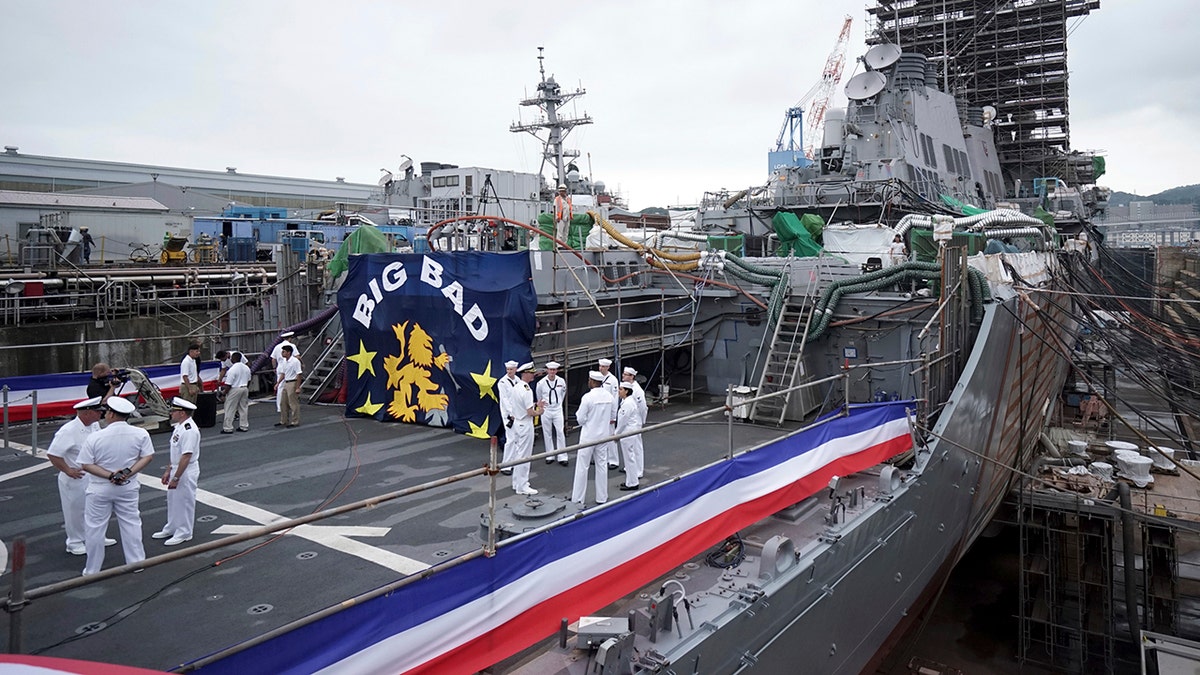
[{"x": 550, "y": 99}]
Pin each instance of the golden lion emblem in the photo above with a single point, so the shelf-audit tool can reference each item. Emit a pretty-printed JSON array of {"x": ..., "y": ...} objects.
[{"x": 411, "y": 379}]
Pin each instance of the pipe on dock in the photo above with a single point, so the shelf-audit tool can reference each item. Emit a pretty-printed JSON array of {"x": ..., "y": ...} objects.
[{"x": 1131, "y": 600}]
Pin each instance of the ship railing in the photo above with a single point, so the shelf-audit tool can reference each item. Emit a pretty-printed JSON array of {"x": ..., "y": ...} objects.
[{"x": 19, "y": 598}]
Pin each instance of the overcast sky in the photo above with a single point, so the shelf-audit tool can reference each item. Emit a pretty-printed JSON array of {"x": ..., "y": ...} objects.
[{"x": 687, "y": 96}]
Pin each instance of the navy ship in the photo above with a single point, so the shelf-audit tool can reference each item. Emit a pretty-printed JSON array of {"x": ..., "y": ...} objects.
[{"x": 831, "y": 429}]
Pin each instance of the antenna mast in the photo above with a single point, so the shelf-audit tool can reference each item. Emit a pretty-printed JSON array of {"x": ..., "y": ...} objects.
[{"x": 550, "y": 99}]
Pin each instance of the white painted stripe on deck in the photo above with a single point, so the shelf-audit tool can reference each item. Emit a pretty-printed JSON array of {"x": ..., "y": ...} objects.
[{"x": 331, "y": 536}]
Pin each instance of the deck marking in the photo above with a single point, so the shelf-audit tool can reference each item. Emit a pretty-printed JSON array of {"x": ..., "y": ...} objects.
[
  {"x": 336, "y": 537},
  {"x": 23, "y": 472}
]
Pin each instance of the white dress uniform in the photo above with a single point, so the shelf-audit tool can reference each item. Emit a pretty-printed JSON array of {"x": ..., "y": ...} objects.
[
  {"x": 117, "y": 446},
  {"x": 608, "y": 450},
  {"x": 237, "y": 401},
  {"x": 520, "y": 435},
  {"x": 629, "y": 418},
  {"x": 68, "y": 440},
  {"x": 639, "y": 395},
  {"x": 592, "y": 416},
  {"x": 181, "y": 502},
  {"x": 507, "y": 387},
  {"x": 276, "y": 357},
  {"x": 553, "y": 392}
]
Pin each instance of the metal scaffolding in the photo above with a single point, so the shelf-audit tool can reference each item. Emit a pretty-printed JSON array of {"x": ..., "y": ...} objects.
[{"x": 1009, "y": 55}]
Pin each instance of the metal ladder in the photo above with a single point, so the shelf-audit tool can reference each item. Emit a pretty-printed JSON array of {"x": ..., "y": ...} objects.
[
  {"x": 324, "y": 372},
  {"x": 782, "y": 368}
]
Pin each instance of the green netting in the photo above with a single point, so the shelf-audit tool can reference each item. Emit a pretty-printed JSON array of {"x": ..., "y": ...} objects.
[
  {"x": 732, "y": 243},
  {"x": 1044, "y": 216},
  {"x": 546, "y": 225},
  {"x": 961, "y": 206},
  {"x": 581, "y": 224},
  {"x": 364, "y": 239},
  {"x": 794, "y": 237},
  {"x": 1097, "y": 167},
  {"x": 926, "y": 249}
]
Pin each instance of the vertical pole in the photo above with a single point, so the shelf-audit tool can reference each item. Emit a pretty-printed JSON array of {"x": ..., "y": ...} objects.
[
  {"x": 33, "y": 443},
  {"x": 490, "y": 547},
  {"x": 729, "y": 418},
  {"x": 4, "y": 395},
  {"x": 16, "y": 596},
  {"x": 846, "y": 384}
]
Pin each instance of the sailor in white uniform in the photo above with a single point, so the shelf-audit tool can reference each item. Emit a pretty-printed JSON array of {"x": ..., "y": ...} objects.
[
  {"x": 506, "y": 387},
  {"x": 64, "y": 455},
  {"x": 608, "y": 450},
  {"x": 237, "y": 400},
  {"x": 629, "y": 418},
  {"x": 592, "y": 416},
  {"x": 277, "y": 356},
  {"x": 639, "y": 395},
  {"x": 113, "y": 457},
  {"x": 551, "y": 392},
  {"x": 523, "y": 409},
  {"x": 182, "y": 475}
]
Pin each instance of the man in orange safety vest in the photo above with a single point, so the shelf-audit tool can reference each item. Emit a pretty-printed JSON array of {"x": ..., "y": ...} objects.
[{"x": 562, "y": 214}]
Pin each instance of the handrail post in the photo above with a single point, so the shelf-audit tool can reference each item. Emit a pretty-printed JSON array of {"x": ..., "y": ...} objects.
[
  {"x": 489, "y": 548},
  {"x": 4, "y": 395},
  {"x": 33, "y": 443},
  {"x": 16, "y": 596}
]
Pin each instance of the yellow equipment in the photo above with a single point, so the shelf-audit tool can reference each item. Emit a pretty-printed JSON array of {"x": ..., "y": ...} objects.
[{"x": 172, "y": 252}]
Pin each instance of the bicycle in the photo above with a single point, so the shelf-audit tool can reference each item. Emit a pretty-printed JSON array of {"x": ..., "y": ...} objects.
[{"x": 144, "y": 253}]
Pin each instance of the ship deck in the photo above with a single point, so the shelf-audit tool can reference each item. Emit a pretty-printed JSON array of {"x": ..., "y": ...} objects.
[{"x": 182, "y": 610}]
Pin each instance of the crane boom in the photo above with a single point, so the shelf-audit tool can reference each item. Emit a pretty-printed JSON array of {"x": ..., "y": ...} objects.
[
  {"x": 822, "y": 92},
  {"x": 815, "y": 101}
]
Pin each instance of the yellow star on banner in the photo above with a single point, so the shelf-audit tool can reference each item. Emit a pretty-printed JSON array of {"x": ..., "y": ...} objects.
[
  {"x": 364, "y": 359},
  {"x": 478, "y": 430},
  {"x": 485, "y": 382},
  {"x": 369, "y": 408}
]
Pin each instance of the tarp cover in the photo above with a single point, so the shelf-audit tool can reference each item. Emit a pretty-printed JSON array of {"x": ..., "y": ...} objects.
[
  {"x": 427, "y": 335},
  {"x": 856, "y": 243},
  {"x": 795, "y": 237},
  {"x": 364, "y": 239}
]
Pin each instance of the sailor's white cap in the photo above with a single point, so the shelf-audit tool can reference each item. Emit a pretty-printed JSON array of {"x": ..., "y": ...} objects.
[
  {"x": 182, "y": 404},
  {"x": 527, "y": 367},
  {"x": 595, "y": 375},
  {"x": 511, "y": 364},
  {"x": 604, "y": 362},
  {"x": 90, "y": 404},
  {"x": 629, "y": 371},
  {"x": 553, "y": 364},
  {"x": 562, "y": 187},
  {"x": 290, "y": 333},
  {"x": 120, "y": 405},
  {"x": 627, "y": 385}
]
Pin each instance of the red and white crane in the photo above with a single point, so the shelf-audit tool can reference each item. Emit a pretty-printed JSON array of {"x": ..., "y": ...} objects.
[{"x": 816, "y": 100}]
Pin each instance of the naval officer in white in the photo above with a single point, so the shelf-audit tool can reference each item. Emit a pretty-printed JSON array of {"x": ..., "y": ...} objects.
[
  {"x": 64, "y": 455},
  {"x": 113, "y": 457},
  {"x": 181, "y": 476}
]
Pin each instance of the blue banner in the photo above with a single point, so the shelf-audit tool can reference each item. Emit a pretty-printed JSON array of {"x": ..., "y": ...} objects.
[{"x": 427, "y": 335}]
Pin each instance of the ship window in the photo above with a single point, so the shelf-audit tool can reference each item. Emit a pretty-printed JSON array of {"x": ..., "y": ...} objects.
[
  {"x": 949, "y": 157},
  {"x": 467, "y": 188},
  {"x": 930, "y": 156}
]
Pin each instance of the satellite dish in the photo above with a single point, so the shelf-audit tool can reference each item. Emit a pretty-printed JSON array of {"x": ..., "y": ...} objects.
[
  {"x": 385, "y": 178},
  {"x": 405, "y": 165},
  {"x": 989, "y": 114},
  {"x": 881, "y": 56},
  {"x": 865, "y": 85}
]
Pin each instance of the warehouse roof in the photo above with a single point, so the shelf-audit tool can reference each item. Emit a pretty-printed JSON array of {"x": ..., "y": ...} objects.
[{"x": 58, "y": 200}]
